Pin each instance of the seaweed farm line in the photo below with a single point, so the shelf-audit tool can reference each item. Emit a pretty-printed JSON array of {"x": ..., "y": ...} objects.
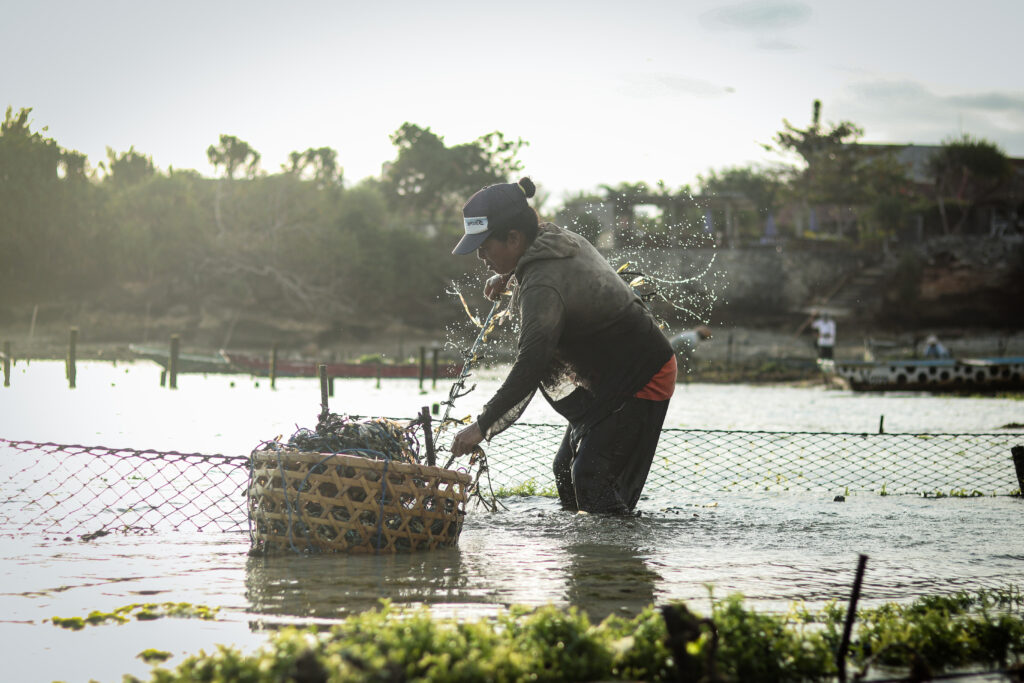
[{"x": 772, "y": 546}]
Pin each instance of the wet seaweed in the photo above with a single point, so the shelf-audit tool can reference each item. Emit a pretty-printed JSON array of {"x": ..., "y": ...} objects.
[{"x": 732, "y": 643}]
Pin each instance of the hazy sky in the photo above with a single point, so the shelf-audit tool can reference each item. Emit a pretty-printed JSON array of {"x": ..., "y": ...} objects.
[{"x": 603, "y": 91}]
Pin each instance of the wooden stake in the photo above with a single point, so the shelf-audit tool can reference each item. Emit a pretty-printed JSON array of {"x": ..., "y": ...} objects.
[
  {"x": 1018, "y": 464},
  {"x": 72, "y": 348},
  {"x": 273, "y": 366},
  {"x": 324, "y": 391},
  {"x": 172, "y": 361},
  {"x": 428, "y": 436},
  {"x": 7, "y": 363},
  {"x": 32, "y": 329},
  {"x": 851, "y": 612}
]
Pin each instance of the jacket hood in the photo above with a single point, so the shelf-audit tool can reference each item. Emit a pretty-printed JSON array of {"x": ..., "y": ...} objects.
[{"x": 552, "y": 242}]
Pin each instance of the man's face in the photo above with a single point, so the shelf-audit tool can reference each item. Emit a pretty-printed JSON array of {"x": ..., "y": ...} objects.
[{"x": 501, "y": 257}]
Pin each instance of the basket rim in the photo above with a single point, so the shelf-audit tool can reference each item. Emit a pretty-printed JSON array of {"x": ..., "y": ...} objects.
[{"x": 359, "y": 462}]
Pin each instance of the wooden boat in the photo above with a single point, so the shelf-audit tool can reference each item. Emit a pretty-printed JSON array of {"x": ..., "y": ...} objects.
[
  {"x": 1001, "y": 373},
  {"x": 187, "y": 362},
  {"x": 260, "y": 366}
]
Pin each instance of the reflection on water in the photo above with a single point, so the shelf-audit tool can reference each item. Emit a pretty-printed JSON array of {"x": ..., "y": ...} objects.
[
  {"x": 609, "y": 579},
  {"x": 333, "y": 585},
  {"x": 773, "y": 548},
  {"x": 559, "y": 557}
]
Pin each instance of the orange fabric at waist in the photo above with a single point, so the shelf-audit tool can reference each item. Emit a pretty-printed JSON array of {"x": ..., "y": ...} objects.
[{"x": 663, "y": 383}]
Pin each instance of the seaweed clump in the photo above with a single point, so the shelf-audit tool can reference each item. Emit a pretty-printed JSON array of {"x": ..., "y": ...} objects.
[{"x": 376, "y": 438}]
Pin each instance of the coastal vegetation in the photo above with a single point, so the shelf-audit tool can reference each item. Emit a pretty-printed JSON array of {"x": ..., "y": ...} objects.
[{"x": 299, "y": 242}]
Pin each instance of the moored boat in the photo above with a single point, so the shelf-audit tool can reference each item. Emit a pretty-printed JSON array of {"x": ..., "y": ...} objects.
[
  {"x": 187, "y": 362},
  {"x": 1000, "y": 373}
]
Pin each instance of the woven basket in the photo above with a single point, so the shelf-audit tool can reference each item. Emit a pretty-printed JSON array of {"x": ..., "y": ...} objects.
[{"x": 346, "y": 503}]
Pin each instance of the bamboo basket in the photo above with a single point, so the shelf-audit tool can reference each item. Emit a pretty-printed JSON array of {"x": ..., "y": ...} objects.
[{"x": 352, "y": 504}]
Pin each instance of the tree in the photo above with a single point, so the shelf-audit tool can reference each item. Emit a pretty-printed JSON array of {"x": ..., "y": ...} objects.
[
  {"x": 232, "y": 154},
  {"x": 431, "y": 179},
  {"x": 322, "y": 163},
  {"x": 580, "y": 214},
  {"x": 824, "y": 151},
  {"x": 761, "y": 186},
  {"x": 839, "y": 173},
  {"x": 967, "y": 170},
  {"x": 128, "y": 168},
  {"x": 47, "y": 211},
  {"x": 740, "y": 189}
]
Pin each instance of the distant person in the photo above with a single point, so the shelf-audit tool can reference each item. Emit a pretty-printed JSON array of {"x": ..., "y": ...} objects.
[
  {"x": 825, "y": 326},
  {"x": 685, "y": 343},
  {"x": 586, "y": 341},
  {"x": 933, "y": 348}
]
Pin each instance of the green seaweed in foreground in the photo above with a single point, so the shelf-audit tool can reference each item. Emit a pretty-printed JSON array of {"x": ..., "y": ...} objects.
[
  {"x": 142, "y": 611},
  {"x": 551, "y": 644}
]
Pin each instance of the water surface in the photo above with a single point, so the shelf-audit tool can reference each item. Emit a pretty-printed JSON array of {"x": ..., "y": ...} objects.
[{"x": 774, "y": 547}]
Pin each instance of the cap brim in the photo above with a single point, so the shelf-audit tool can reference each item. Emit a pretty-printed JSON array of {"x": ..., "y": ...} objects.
[{"x": 469, "y": 243}]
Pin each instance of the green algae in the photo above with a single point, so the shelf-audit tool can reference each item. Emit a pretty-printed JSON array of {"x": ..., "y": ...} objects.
[
  {"x": 733, "y": 643},
  {"x": 141, "y": 611}
]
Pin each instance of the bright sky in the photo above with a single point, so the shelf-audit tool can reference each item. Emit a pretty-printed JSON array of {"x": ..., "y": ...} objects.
[{"x": 603, "y": 91}]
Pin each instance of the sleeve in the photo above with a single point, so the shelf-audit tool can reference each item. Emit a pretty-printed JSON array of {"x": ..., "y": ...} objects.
[{"x": 542, "y": 319}]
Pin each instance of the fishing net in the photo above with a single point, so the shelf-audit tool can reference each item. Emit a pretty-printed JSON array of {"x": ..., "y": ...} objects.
[{"x": 61, "y": 488}]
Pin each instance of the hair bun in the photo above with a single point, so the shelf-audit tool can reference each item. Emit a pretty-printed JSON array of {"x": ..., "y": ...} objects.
[{"x": 529, "y": 189}]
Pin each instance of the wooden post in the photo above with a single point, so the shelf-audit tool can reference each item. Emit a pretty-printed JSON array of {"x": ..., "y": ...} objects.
[
  {"x": 72, "y": 348},
  {"x": 273, "y": 366},
  {"x": 433, "y": 372},
  {"x": 851, "y": 612},
  {"x": 428, "y": 436},
  {"x": 423, "y": 365},
  {"x": 31, "y": 331},
  {"x": 881, "y": 424},
  {"x": 324, "y": 392},
  {"x": 1018, "y": 464},
  {"x": 172, "y": 361},
  {"x": 7, "y": 363},
  {"x": 378, "y": 374},
  {"x": 330, "y": 386}
]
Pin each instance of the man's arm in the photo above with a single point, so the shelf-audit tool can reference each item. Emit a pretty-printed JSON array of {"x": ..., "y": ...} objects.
[{"x": 543, "y": 319}]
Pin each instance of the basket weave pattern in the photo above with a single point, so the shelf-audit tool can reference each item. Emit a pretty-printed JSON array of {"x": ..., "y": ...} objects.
[{"x": 346, "y": 503}]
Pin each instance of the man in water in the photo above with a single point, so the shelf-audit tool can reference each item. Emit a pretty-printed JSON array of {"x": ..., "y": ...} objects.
[
  {"x": 685, "y": 344},
  {"x": 586, "y": 341}
]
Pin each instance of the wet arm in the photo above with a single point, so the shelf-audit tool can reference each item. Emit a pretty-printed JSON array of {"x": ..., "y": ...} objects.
[{"x": 543, "y": 319}]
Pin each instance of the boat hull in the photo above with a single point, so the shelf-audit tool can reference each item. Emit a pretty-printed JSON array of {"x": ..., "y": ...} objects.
[
  {"x": 936, "y": 375},
  {"x": 187, "y": 362}
]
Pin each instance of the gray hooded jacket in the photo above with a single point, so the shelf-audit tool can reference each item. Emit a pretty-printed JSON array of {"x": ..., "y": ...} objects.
[{"x": 586, "y": 339}]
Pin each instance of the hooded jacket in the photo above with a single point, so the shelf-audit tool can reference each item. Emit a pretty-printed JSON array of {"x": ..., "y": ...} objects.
[{"x": 586, "y": 339}]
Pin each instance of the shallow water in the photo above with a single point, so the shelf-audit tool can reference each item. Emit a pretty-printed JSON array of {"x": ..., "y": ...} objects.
[{"x": 772, "y": 547}]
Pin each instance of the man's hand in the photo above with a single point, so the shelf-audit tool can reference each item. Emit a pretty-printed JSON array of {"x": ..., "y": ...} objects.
[
  {"x": 496, "y": 286},
  {"x": 466, "y": 440}
]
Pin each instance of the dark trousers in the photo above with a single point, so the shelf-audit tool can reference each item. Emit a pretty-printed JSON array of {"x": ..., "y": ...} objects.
[{"x": 606, "y": 470}]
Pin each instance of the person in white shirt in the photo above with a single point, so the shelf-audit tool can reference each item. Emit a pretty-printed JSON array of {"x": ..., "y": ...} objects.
[{"x": 825, "y": 325}]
